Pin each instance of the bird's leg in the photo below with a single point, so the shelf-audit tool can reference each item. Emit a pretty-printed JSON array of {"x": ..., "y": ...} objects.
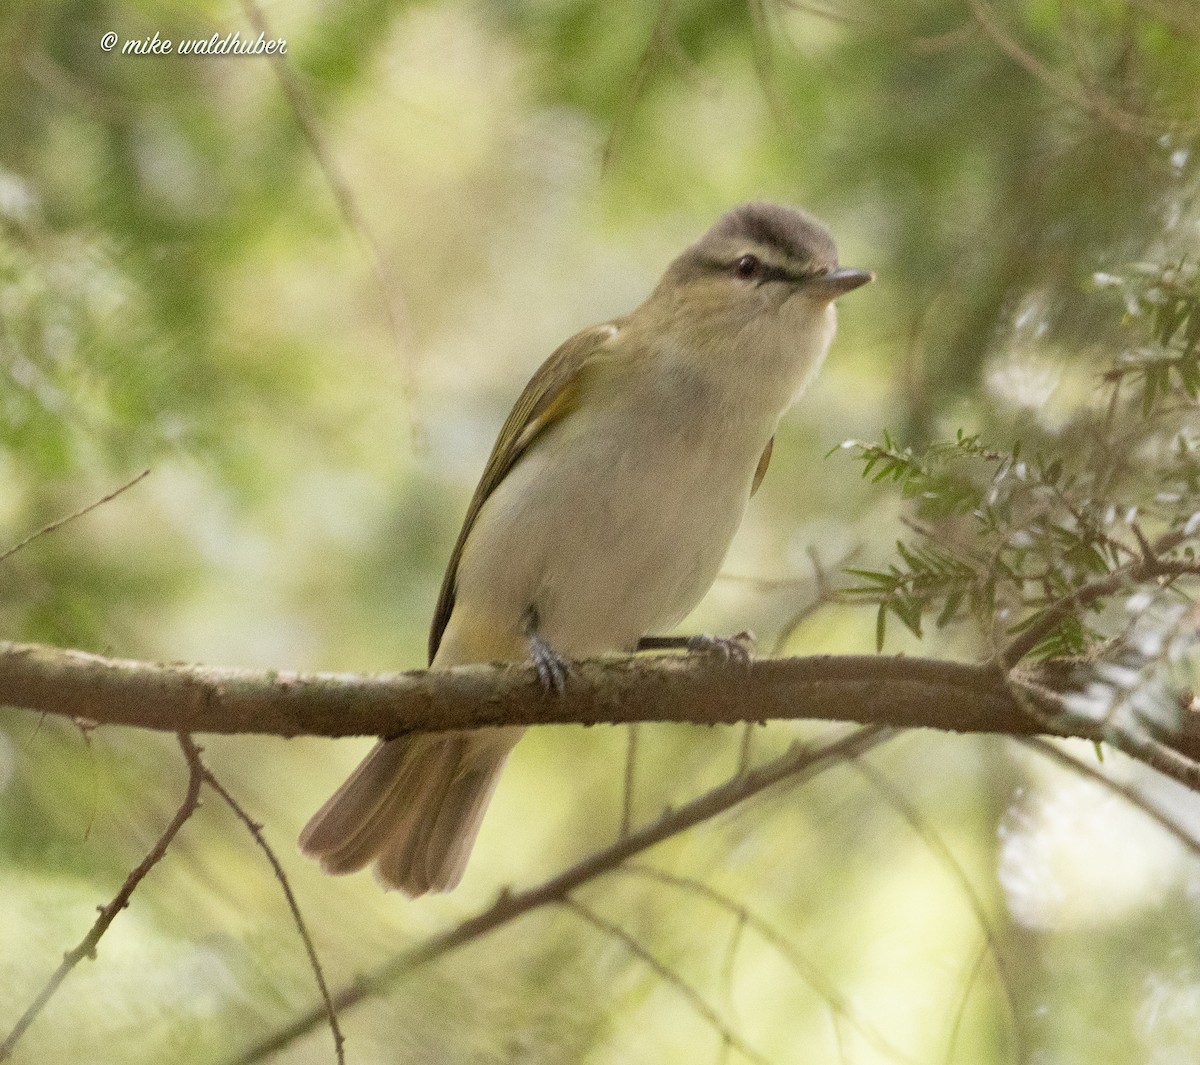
[
  {"x": 552, "y": 668},
  {"x": 740, "y": 648}
]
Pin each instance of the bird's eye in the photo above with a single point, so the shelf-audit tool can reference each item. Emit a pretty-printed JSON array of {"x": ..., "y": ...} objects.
[{"x": 747, "y": 266}]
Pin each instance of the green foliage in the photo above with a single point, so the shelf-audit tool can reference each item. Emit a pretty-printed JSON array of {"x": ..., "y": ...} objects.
[
  {"x": 1007, "y": 539},
  {"x": 1170, "y": 362},
  {"x": 178, "y": 289}
]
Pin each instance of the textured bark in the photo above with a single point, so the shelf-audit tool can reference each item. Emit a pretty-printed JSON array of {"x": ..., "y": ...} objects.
[{"x": 899, "y": 691}]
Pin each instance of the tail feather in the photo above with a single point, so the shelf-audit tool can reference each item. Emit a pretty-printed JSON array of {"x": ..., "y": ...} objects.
[
  {"x": 434, "y": 856},
  {"x": 347, "y": 831},
  {"x": 415, "y": 806},
  {"x": 396, "y": 863}
]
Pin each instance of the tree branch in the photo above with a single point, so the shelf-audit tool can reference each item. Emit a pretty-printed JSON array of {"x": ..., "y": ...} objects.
[
  {"x": 1066, "y": 88},
  {"x": 807, "y": 970},
  {"x": 390, "y": 292},
  {"x": 1149, "y": 567},
  {"x": 1180, "y": 832},
  {"x": 796, "y": 765},
  {"x": 256, "y": 831},
  {"x": 108, "y": 913},
  {"x": 60, "y": 522},
  {"x": 869, "y": 689},
  {"x": 669, "y": 977}
]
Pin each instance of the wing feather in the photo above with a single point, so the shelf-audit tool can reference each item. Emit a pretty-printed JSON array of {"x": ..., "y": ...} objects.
[
  {"x": 760, "y": 470},
  {"x": 551, "y": 394}
]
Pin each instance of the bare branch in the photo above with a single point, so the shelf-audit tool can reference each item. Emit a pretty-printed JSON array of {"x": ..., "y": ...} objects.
[
  {"x": 660, "y": 43},
  {"x": 1179, "y": 17},
  {"x": 668, "y": 976},
  {"x": 255, "y": 830},
  {"x": 804, "y": 968},
  {"x": 1129, "y": 794},
  {"x": 961, "y": 1010},
  {"x": 729, "y": 966},
  {"x": 938, "y": 846},
  {"x": 745, "y": 747},
  {"x": 899, "y": 691},
  {"x": 797, "y": 764},
  {"x": 347, "y": 205},
  {"x": 918, "y": 44},
  {"x": 1140, "y": 745},
  {"x": 108, "y": 913},
  {"x": 826, "y": 594},
  {"x": 1065, "y": 88},
  {"x": 71, "y": 517}
]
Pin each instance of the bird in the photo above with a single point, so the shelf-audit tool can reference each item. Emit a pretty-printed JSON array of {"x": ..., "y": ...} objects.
[{"x": 603, "y": 514}]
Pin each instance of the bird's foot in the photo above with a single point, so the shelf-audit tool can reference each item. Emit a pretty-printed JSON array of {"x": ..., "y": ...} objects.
[
  {"x": 739, "y": 648},
  {"x": 552, "y": 669}
]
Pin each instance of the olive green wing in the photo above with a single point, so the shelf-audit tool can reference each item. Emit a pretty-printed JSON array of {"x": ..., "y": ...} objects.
[{"x": 551, "y": 394}]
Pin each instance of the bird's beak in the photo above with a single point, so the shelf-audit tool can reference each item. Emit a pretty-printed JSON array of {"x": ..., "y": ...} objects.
[{"x": 840, "y": 281}]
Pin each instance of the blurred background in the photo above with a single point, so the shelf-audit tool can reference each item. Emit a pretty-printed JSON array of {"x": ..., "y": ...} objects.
[{"x": 305, "y": 297}]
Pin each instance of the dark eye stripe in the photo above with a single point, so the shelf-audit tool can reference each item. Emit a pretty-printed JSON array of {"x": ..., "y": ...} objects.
[
  {"x": 767, "y": 271},
  {"x": 778, "y": 273}
]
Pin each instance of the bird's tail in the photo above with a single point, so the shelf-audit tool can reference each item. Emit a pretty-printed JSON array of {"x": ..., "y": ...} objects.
[{"x": 413, "y": 806}]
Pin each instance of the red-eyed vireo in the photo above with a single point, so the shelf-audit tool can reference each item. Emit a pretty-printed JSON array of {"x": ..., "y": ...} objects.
[{"x": 603, "y": 514}]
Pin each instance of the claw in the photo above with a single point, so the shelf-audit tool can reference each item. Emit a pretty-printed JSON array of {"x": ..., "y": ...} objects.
[
  {"x": 552, "y": 668},
  {"x": 739, "y": 648}
]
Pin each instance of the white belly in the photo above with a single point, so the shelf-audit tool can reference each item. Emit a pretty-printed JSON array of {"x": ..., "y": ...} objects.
[{"x": 606, "y": 541}]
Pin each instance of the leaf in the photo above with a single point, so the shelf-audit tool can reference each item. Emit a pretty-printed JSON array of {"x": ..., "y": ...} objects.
[
  {"x": 1170, "y": 316},
  {"x": 1150, "y": 388},
  {"x": 884, "y": 580},
  {"x": 1189, "y": 376},
  {"x": 1192, "y": 336},
  {"x": 951, "y": 608}
]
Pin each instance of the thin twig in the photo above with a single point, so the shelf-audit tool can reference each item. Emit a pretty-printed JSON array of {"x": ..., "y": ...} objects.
[
  {"x": 1180, "y": 18},
  {"x": 797, "y": 765},
  {"x": 85, "y": 734},
  {"x": 745, "y": 747},
  {"x": 108, "y": 913},
  {"x": 826, "y": 594},
  {"x": 1138, "y": 746},
  {"x": 761, "y": 51},
  {"x": 1068, "y": 605},
  {"x": 804, "y": 968},
  {"x": 255, "y": 830},
  {"x": 668, "y": 976},
  {"x": 347, "y": 205},
  {"x": 1129, "y": 794},
  {"x": 71, "y": 517},
  {"x": 960, "y": 1010},
  {"x": 919, "y": 44},
  {"x": 936, "y": 43},
  {"x": 933, "y": 840},
  {"x": 836, "y": 1025},
  {"x": 1094, "y": 103},
  {"x": 631, "y": 753},
  {"x": 1157, "y": 755},
  {"x": 657, "y": 44},
  {"x": 729, "y": 965},
  {"x": 829, "y": 14}
]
